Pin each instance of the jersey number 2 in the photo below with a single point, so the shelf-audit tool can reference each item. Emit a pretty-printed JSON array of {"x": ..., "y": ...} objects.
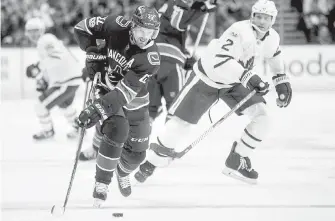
[
  {"x": 227, "y": 57},
  {"x": 230, "y": 42}
]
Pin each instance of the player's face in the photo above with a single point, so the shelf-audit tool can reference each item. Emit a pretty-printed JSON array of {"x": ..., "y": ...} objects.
[
  {"x": 142, "y": 35},
  {"x": 33, "y": 34},
  {"x": 262, "y": 21}
]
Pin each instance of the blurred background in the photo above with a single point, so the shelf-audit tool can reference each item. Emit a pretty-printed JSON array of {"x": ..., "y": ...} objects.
[
  {"x": 298, "y": 22},
  {"x": 306, "y": 28}
]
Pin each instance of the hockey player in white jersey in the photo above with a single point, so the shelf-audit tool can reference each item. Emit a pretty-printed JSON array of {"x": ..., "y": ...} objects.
[
  {"x": 225, "y": 71},
  {"x": 57, "y": 76}
]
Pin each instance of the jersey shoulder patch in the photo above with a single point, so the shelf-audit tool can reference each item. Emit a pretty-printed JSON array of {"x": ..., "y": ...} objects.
[
  {"x": 109, "y": 23},
  {"x": 122, "y": 22}
]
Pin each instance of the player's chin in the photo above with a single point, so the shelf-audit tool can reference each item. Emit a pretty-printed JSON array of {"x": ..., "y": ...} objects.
[{"x": 141, "y": 44}]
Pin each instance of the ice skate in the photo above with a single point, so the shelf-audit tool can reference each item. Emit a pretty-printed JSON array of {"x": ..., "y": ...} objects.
[
  {"x": 124, "y": 185},
  {"x": 44, "y": 135},
  {"x": 73, "y": 134},
  {"x": 239, "y": 167},
  {"x": 100, "y": 194},
  {"x": 90, "y": 153},
  {"x": 145, "y": 170}
]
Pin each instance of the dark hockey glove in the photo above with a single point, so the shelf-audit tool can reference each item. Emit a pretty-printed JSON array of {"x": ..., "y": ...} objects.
[
  {"x": 283, "y": 88},
  {"x": 189, "y": 63},
  {"x": 205, "y": 6},
  {"x": 33, "y": 70},
  {"x": 252, "y": 81},
  {"x": 41, "y": 85},
  {"x": 92, "y": 114},
  {"x": 95, "y": 62}
]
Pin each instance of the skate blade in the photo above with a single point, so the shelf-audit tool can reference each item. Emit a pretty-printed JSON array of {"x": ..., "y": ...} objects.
[
  {"x": 98, "y": 203},
  {"x": 44, "y": 140},
  {"x": 236, "y": 175},
  {"x": 72, "y": 137}
]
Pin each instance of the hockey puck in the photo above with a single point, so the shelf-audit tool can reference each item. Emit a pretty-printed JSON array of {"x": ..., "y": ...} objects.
[{"x": 118, "y": 214}]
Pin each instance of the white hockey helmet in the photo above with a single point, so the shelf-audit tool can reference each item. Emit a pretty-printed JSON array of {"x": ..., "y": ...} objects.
[
  {"x": 265, "y": 7},
  {"x": 34, "y": 28}
]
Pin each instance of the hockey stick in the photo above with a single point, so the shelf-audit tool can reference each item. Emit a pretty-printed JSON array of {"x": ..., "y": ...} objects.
[
  {"x": 56, "y": 210},
  {"x": 197, "y": 41},
  {"x": 176, "y": 155},
  {"x": 201, "y": 31},
  {"x": 203, "y": 135}
]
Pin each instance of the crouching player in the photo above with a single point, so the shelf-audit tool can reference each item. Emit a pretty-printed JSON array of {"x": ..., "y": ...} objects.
[{"x": 57, "y": 76}]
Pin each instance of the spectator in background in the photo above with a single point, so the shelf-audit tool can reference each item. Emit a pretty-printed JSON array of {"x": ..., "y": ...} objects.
[
  {"x": 313, "y": 21},
  {"x": 331, "y": 20},
  {"x": 231, "y": 11}
]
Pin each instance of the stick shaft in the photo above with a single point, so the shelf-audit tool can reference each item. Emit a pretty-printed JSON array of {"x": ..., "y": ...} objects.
[{"x": 211, "y": 128}]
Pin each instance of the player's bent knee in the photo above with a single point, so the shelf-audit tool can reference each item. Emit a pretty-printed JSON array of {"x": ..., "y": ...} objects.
[
  {"x": 116, "y": 128},
  {"x": 256, "y": 110},
  {"x": 174, "y": 127},
  {"x": 40, "y": 109},
  {"x": 157, "y": 159},
  {"x": 259, "y": 115}
]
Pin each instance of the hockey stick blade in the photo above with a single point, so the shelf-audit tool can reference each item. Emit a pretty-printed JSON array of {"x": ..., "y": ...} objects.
[
  {"x": 57, "y": 211},
  {"x": 211, "y": 128}
]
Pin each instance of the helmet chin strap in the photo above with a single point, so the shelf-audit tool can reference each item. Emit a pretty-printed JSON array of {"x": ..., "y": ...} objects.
[{"x": 258, "y": 29}]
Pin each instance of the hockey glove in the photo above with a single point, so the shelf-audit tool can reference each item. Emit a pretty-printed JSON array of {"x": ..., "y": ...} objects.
[
  {"x": 283, "y": 88},
  {"x": 33, "y": 70},
  {"x": 95, "y": 62},
  {"x": 189, "y": 63},
  {"x": 252, "y": 81},
  {"x": 41, "y": 85},
  {"x": 92, "y": 114}
]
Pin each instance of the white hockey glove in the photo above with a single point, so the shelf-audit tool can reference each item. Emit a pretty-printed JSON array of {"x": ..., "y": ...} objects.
[
  {"x": 283, "y": 88},
  {"x": 252, "y": 81}
]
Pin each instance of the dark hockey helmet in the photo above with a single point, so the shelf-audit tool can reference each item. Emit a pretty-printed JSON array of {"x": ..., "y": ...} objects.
[{"x": 147, "y": 18}]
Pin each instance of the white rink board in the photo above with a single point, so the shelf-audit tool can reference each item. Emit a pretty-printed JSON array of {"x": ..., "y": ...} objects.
[{"x": 309, "y": 67}]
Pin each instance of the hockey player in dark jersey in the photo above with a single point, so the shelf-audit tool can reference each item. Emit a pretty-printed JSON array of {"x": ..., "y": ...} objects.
[
  {"x": 176, "y": 16},
  {"x": 120, "y": 109}
]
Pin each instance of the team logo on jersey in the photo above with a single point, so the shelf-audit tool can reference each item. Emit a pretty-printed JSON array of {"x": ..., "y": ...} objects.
[
  {"x": 234, "y": 34},
  {"x": 249, "y": 64},
  {"x": 153, "y": 58},
  {"x": 122, "y": 22}
]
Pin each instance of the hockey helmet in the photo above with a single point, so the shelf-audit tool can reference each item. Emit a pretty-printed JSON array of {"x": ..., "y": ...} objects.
[
  {"x": 147, "y": 18},
  {"x": 34, "y": 28},
  {"x": 264, "y": 7}
]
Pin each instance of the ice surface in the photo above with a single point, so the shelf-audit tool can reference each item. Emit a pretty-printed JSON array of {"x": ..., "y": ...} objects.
[{"x": 296, "y": 165}]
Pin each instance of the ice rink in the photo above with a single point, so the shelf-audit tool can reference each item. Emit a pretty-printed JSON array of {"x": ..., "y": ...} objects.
[{"x": 296, "y": 165}]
